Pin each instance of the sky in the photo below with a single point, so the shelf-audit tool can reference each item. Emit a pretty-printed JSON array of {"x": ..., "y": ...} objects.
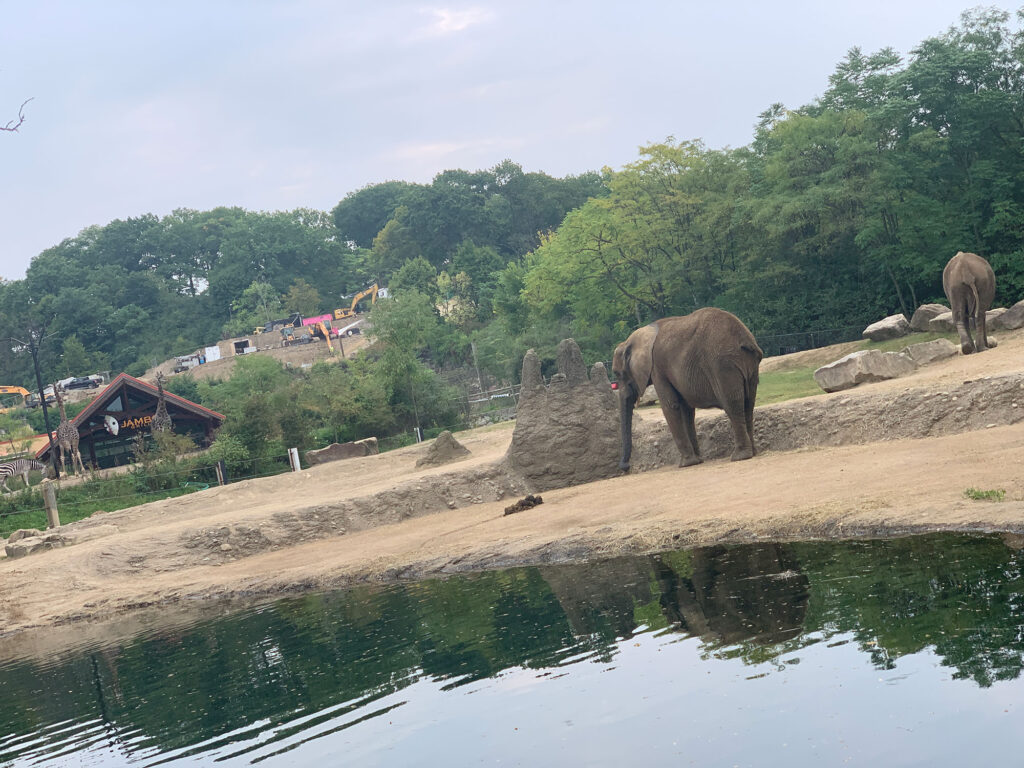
[{"x": 145, "y": 107}]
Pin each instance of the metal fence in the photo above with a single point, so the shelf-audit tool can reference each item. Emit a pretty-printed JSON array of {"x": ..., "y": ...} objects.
[{"x": 787, "y": 343}]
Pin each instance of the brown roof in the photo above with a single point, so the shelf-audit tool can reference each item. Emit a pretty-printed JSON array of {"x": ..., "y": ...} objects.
[
  {"x": 188, "y": 405},
  {"x": 144, "y": 386}
]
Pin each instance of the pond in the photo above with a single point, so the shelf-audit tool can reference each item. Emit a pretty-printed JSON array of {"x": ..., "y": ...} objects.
[{"x": 897, "y": 652}]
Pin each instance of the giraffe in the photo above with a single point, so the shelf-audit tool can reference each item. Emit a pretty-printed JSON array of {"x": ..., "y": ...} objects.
[
  {"x": 161, "y": 419},
  {"x": 67, "y": 437}
]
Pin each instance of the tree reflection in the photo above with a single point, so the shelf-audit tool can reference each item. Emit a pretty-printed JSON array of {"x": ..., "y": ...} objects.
[{"x": 961, "y": 598}]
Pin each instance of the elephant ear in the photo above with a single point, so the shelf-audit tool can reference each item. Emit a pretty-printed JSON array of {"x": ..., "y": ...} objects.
[{"x": 638, "y": 356}]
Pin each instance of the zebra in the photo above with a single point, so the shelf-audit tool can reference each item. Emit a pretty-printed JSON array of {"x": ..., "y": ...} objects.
[{"x": 19, "y": 467}]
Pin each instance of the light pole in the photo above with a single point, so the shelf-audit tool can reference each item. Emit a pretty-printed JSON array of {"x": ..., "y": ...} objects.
[{"x": 33, "y": 342}]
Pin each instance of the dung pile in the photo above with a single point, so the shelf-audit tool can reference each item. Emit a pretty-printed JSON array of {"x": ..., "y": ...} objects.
[
  {"x": 567, "y": 430},
  {"x": 443, "y": 450}
]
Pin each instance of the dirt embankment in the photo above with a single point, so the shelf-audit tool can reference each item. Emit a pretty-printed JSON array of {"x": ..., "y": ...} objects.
[{"x": 893, "y": 457}]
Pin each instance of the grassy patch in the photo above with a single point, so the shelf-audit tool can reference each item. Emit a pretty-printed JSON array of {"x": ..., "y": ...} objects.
[
  {"x": 26, "y": 510},
  {"x": 794, "y": 380},
  {"x": 976, "y": 494},
  {"x": 895, "y": 345},
  {"x": 779, "y": 386}
]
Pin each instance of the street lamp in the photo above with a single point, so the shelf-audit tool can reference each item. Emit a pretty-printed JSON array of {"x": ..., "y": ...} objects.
[{"x": 34, "y": 340}]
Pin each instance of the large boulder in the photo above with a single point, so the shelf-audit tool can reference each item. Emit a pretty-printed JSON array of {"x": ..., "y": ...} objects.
[
  {"x": 942, "y": 323},
  {"x": 649, "y": 397},
  {"x": 892, "y": 327},
  {"x": 930, "y": 351},
  {"x": 993, "y": 320},
  {"x": 992, "y": 317},
  {"x": 23, "y": 533},
  {"x": 32, "y": 544},
  {"x": 443, "y": 449},
  {"x": 867, "y": 365},
  {"x": 924, "y": 313},
  {"x": 1011, "y": 319},
  {"x": 336, "y": 451},
  {"x": 567, "y": 431}
]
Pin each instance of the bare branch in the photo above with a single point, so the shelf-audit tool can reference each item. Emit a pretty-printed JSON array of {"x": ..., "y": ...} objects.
[{"x": 13, "y": 125}]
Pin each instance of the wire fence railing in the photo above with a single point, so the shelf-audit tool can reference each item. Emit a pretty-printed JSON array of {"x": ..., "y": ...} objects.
[{"x": 138, "y": 485}]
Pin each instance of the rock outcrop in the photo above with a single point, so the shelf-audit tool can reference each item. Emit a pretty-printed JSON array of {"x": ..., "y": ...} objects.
[
  {"x": 443, "y": 450},
  {"x": 930, "y": 351},
  {"x": 863, "y": 366},
  {"x": 1011, "y": 319},
  {"x": 924, "y": 313},
  {"x": 336, "y": 451},
  {"x": 942, "y": 323},
  {"x": 892, "y": 327},
  {"x": 30, "y": 541},
  {"x": 993, "y": 320},
  {"x": 567, "y": 431}
]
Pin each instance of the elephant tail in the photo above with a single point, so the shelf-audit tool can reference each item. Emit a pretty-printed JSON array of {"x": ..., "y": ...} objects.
[
  {"x": 973, "y": 312},
  {"x": 750, "y": 388}
]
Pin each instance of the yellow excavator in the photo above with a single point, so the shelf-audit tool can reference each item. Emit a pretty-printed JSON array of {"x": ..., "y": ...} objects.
[
  {"x": 346, "y": 312},
  {"x": 13, "y": 391}
]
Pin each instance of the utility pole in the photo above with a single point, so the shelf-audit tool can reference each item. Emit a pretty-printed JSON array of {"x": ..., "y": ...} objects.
[{"x": 34, "y": 339}]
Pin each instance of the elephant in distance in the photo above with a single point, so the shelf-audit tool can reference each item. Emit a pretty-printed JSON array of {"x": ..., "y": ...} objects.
[
  {"x": 707, "y": 359},
  {"x": 970, "y": 286}
]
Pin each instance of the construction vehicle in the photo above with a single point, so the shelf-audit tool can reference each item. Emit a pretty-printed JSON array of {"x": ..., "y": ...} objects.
[
  {"x": 321, "y": 329},
  {"x": 346, "y": 312},
  {"x": 293, "y": 320},
  {"x": 24, "y": 393},
  {"x": 291, "y": 335}
]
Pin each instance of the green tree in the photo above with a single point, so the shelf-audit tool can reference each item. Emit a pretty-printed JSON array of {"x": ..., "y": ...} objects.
[
  {"x": 394, "y": 245},
  {"x": 74, "y": 359},
  {"x": 415, "y": 275},
  {"x": 302, "y": 298},
  {"x": 259, "y": 304}
]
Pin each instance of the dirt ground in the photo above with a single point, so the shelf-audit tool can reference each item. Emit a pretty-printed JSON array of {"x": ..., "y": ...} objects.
[{"x": 890, "y": 458}]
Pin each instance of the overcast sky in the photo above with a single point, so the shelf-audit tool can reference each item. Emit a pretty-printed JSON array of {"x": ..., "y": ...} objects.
[{"x": 143, "y": 107}]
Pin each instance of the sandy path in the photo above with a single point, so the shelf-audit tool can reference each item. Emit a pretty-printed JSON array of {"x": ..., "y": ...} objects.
[{"x": 895, "y": 486}]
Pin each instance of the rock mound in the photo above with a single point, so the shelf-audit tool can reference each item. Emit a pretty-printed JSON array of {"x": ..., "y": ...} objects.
[
  {"x": 924, "y": 313},
  {"x": 863, "y": 366},
  {"x": 943, "y": 323},
  {"x": 336, "y": 451},
  {"x": 443, "y": 450},
  {"x": 1011, "y": 319},
  {"x": 892, "y": 327},
  {"x": 566, "y": 431},
  {"x": 930, "y": 351}
]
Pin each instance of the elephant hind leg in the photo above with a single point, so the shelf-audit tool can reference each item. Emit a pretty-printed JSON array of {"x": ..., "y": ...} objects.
[
  {"x": 679, "y": 417},
  {"x": 735, "y": 396},
  {"x": 981, "y": 333},
  {"x": 748, "y": 418}
]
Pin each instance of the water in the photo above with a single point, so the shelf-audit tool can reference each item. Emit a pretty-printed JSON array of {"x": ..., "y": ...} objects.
[{"x": 902, "y": 652}]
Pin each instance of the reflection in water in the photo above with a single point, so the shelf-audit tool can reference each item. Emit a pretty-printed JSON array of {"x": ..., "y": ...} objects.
[
  {"x": 329, "y": 666},
  {"x": 751, "y": 594}
]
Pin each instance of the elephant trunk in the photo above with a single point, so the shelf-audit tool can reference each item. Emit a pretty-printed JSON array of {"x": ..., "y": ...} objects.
[{"x": 627, "y": 401}]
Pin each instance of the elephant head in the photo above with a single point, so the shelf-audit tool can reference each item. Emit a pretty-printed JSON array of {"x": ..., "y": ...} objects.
[{"x": 632, "y": 364}]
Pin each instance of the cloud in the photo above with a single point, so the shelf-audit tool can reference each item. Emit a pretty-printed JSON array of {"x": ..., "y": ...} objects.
[{"x": 448, "y": 21}]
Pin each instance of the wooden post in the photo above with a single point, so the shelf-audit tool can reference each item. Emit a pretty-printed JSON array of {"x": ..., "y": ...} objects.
[
  {"x": 293, "y": 457},
  {"x": 50, "y": 500},
  {"x": 222, "y": 473}
]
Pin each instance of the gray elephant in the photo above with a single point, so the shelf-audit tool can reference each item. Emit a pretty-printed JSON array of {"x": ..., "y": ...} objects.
[
  {"x": 707, "y": 359},
  {"x": 970, "y": 286}
]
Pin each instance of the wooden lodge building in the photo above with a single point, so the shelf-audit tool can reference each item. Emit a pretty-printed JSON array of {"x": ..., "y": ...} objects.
[{"x": 109, "y": 425}]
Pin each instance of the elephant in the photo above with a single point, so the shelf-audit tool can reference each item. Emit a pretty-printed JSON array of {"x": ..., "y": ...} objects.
[
  {"x": 707, "y": 359},
  {"x": 970, "y": 286}
]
